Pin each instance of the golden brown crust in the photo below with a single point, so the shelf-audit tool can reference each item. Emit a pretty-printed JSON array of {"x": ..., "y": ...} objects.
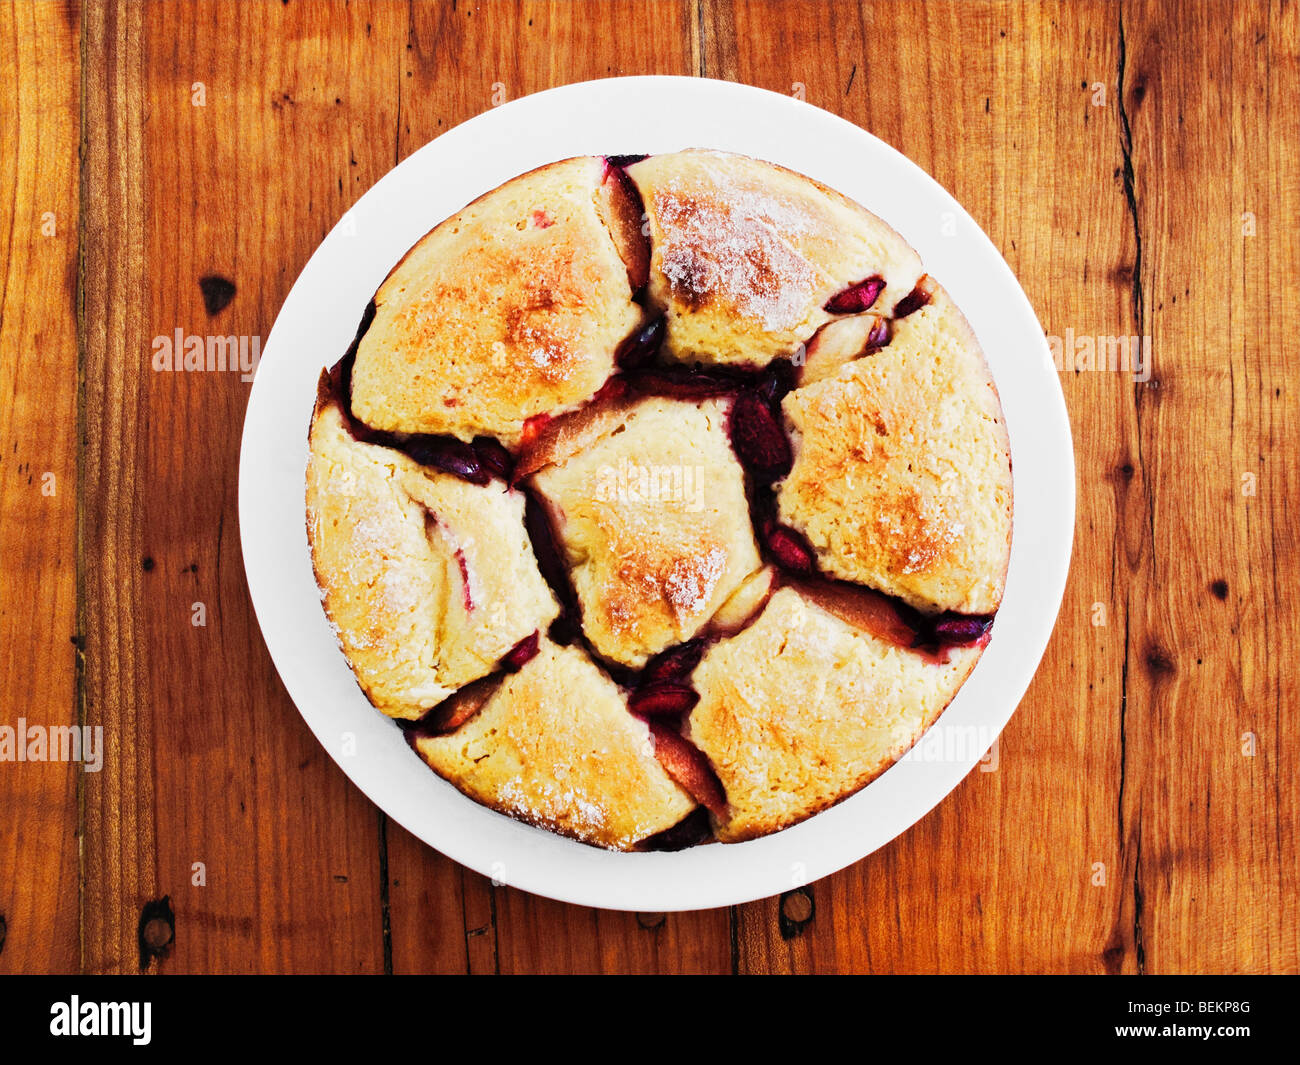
[
  {"x": 654, "y": 522},
  {"x": 555, "y": 746},
  {"x": 745, "y": 254},
  {"x": 902, "y": 474},
  {"x": 511, "y": 308},
  {"x": 800, "y": 711},
  {"x": 428, "y": 580}
]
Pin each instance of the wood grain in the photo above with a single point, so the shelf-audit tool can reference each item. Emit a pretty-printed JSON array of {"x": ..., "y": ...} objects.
[
  {"x": 39, "y": 73},
  {"x": 1136, "y": 164},
  {"x": 209, "y": 761}
]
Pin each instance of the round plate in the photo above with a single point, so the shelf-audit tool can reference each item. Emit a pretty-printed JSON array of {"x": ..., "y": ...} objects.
[{"x": 611, "y": 117}]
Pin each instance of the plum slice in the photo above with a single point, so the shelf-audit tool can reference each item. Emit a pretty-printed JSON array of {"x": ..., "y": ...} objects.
[
  {"x": 493, "y": 456},
  {"x": 675, "y": 665},
  {"x": 690, "y": 831},
  {"x": 447, "y": 454},
  {"x": 662, "y": 699},
  {"x": 789, "y": 548},
  {"x": 857, "y": 297},
  {"x": 454, "y": 710},
  {"x": 521, "y": 653},
  {"x": 686, "y": 764},
  {"x": 862, "y": 608},
  {"x": 957, "y": 629},
  {"x": 758, "y": 439},
  {"x": 642, "y": 345},
  {"x": 916, "y": 299}
]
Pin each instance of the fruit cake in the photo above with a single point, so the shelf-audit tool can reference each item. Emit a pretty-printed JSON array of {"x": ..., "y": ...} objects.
[{"x": 661, "y": 500}]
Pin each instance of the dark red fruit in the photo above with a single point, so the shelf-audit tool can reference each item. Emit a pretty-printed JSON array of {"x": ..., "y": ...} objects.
[
  {"x": 690, "y": 831},
  {"x": 960, "y": 628},
  {"x": 687, "y": 765},
  {"x": 779, "y": 379},
  {"x": 683, "y": 383},
  {"x": 521, "y": 653},
  {"x": 789, "y": 549},
  {"x": 659, "y": 699},
  {"x": 674, "y": 665},
  {"x": 620, "y": 162},
  {"x": 493, "y": 457},
  {"x": 448, "y": 454},
  {"x": 758, "y": 439},
  {"x": 856, "y": 298},
  {"x": 565, "y": 628},
  {"x": 913, "y": 301},
  {"x": 642, "y": 346},
  {"x": 878, "y": 337}
]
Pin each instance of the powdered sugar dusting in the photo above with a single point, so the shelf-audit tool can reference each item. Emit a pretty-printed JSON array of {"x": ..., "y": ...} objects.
[
  {"x": 731, "y": 244},
  {"x": 550, "y": 801},
  {"x": 691, "y": 581}
]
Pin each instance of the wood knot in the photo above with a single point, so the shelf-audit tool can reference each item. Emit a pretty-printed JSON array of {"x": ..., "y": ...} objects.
[
  {"x": 217, "y": 292},
  {"x": 1219, "y": 589},
  {"x": 796, "y": 911},
  {"x": 1158, "y": 661},
  {"x": 651, "y": 921},
  {"x": 156, "y": 930}
]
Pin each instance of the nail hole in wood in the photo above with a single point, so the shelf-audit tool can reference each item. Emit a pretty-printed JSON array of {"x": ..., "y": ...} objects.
[
  {"x": 156, "y": 931},
  {"x": 796, "y": 911}
]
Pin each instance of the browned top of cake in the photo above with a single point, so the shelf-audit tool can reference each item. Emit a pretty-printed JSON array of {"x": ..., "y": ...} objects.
[
  {"x": 902, "y": 475},
  {"x": 512, "y": 307},
  {"x": 746, "y": 254}
]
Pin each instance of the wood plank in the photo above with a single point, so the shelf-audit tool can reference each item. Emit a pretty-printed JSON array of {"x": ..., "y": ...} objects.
[
  {"x": 994, "y": 101},
  {"x": 458, "y": 57},
  {"x": 1215, "y": 133},
  {"x": 39, "y": 73},
  {"x": 209, "y": 762}
]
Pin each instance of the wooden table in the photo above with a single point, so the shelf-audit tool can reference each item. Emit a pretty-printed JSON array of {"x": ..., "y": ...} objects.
[{"x": 1135, "y": 163}]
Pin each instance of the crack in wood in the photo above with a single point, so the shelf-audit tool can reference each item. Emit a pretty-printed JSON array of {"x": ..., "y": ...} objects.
[{"x": 1139, "y": 314}]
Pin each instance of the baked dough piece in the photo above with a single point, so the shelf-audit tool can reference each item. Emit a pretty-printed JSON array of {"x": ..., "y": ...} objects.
[
  {"x": 654, "y": 524},
  {"x": 745, "y": 254},
  {"x": 510, "y": 308},
  {"x": 800, "y": 711},
  {"x": 555, "y": 746},
  {"x": 902, "y": 472},
  {"x": 427, "y": 579}
]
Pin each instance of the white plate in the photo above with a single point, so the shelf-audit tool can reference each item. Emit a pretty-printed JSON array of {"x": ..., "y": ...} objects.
[{"x": 624, "y": 116}]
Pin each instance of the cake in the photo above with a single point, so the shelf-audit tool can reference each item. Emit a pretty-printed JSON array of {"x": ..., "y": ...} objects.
[{"x": 660, "y": 500}]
